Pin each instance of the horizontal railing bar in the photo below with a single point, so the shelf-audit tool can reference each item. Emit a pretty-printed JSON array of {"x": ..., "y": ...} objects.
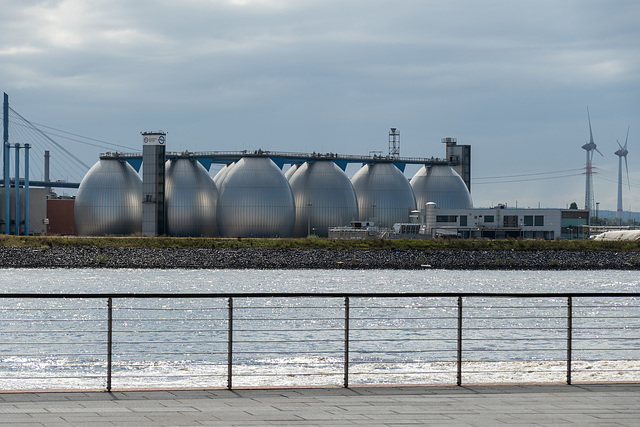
[
  {"x": 321, "y": 295},
  {"x": 50, "y": 355},
  {"x": 284, "y": 319},
  {"x": 444, "y": 340},
  {"x": 121, "y": 356},
  {"x": 287, "y": 330},
  {"x": 424, "y": 328},
  {"x": 74, "y": 309},
  {"x": 186, "y": 309},
  {"x": 337, "y": 351},
  {"x": 70, "y": 319},
  {"x": 166, "y": 319},
  {"x": 24, "y": 332},
  {"x": 140, "y": 331}
]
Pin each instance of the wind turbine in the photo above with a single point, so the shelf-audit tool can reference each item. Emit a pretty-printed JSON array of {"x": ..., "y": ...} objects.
[
  {"x": 590, "y": 147},
  {"x": 622, "y": 152}
]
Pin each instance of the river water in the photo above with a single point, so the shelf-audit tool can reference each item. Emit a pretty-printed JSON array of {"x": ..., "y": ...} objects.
[
  {"x": 138, "y": 280},
  {"x": 58, "y": 343}
]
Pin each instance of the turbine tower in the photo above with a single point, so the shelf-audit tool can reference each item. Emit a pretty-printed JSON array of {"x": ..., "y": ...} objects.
[
  {"x": 622, "y": 152},
  {"x": 589, "y": 147}
]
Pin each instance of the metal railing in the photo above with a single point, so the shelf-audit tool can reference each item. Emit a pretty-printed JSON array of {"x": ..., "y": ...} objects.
[{"x": 106, "y": 341}]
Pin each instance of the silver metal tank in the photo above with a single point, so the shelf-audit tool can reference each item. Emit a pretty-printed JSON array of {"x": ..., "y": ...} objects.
[
  {"x": 442, "y": 185},
  {"x": 289, "y": 173},
  {"x": 255, "y": 200},
  {"x": 384, "y": 194},
  {"x": 324, "y": 198},
  {"x": 222, "y": 174},
  {"x": 191, "y": 198},
  {"x": 109, "y": 199}
]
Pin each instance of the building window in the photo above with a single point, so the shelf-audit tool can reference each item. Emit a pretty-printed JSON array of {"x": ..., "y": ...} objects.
[
  {"x": 528, "y": 220},
  {"x": 488, "y": 218},
  {"x": 446, "y": 218},
  {"x": 539, "y": 220},
  {"x": 463, "y": 220},
  {"x": 510, "y": 221}
]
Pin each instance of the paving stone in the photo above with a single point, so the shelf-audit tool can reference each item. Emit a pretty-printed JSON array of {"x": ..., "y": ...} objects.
[{"x": 521, "y": 405}]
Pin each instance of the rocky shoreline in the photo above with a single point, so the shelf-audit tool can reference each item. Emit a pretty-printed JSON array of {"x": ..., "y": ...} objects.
[{"x": 109, "y": 257}]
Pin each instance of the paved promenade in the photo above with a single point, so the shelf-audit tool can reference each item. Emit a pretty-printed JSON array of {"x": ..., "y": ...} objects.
[{"x": 522, "y": 405}]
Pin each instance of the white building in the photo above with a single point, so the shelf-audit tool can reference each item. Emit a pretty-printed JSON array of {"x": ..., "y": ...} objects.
[{"x": 501, "y": 222}]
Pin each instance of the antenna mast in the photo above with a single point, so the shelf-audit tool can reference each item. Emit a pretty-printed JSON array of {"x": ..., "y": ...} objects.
[{"x": 394, "y": 143}]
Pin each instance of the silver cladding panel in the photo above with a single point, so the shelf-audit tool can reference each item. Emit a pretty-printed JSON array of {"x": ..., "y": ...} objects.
[
  {"x": 328, "y": 189},
  {"x": 384, "y": 194},
  {"x": 255, "y": 200},
  {"x": 442, "y": 185},
  {"x": 191, "y": 198},
  {"x": 222, "y": 173},
  {"x": 289, "y": 173},
  {"x": 109, "y": 200}
]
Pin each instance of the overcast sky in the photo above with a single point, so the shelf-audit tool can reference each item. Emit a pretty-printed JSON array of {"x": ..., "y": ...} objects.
[{"x": 511, "y": 78}]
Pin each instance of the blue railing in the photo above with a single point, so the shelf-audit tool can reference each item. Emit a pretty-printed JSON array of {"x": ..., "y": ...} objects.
[{"x": 166, "y": 340}]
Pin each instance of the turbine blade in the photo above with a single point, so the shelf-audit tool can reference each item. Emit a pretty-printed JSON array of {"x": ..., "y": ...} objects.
[
  {"x": 627, "y": 167},
  {"x": 627, "y": 138},
  {"x": 590, "y": 132},
  {"x": 619, "y": 144},
  {"x": 599, "y": 152}
]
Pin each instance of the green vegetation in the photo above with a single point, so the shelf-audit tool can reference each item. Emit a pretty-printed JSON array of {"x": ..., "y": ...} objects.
[{"x": 316, "y": 243}]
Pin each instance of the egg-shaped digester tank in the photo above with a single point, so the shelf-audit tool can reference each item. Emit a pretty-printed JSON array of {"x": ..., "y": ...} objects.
[
  {"x": 289, "y": 173},
  {"x": 222, "y": 174},
  {"x": 109, "y": 199},
  {"x": 384, "y": 194},
  {"x": 255, "y": 200},
  {"x": 191, "y": 198},
  {"x": 324, "y": 198},
  {"x": 442, "y": 185}
]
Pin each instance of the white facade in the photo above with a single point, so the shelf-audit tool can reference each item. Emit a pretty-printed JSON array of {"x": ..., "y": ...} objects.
[
  {"x": 37, "y": 210},
  {"x": 497, "y": 223}
]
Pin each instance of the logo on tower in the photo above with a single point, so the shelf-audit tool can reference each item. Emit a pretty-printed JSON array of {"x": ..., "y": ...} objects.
[{"x": 154, "y": 138}]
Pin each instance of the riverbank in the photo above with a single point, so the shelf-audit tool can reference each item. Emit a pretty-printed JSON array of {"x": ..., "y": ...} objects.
[{"x": 224, "y": 258}]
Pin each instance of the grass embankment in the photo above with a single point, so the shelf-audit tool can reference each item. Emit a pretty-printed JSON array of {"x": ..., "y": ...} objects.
[{"x": 315, "y": 243}]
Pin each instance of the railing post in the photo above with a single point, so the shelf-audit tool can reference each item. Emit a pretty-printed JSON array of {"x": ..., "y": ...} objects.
[
  {"x": 109, "y": 340},
  {"x": 346, "y": 341},
  {"x": 459, "y": 356},
  {"x": 230, "y": 347},
  {"x": 569, "y": 336}
]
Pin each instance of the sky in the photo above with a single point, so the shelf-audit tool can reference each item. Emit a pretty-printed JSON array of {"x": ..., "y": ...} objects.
[{"x": 511, "y": 78}]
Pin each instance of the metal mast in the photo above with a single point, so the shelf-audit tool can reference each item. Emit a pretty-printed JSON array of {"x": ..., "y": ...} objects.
[
  {"x": 622, "y": 152},
  {"x": 7, "y": 184},
  {"x": 589, "y": 147},
  {"x": 394, "y": 142}
]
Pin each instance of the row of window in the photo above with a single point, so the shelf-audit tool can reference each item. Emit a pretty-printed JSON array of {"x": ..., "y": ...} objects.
[{"x": 510, "y": 221}]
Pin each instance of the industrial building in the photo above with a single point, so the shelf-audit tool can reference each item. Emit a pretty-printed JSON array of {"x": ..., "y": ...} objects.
[
  {"x": 501, "y": 222},
  {"x": 252, "y": 197},
  {"x": 36, "y": 221}
]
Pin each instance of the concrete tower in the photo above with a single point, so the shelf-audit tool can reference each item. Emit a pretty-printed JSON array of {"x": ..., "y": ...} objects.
[
  {"x": 153, "y": 189},
  {"x": 460, "y": 157}
]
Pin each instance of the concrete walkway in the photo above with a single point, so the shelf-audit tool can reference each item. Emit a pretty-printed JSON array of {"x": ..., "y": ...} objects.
[{"x": 522, "y": 405}]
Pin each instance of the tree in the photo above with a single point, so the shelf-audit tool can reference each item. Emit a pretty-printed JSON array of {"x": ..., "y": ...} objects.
[{"x": 573, "y": 205}]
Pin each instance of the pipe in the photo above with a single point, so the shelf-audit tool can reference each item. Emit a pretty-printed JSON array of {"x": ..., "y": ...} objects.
[
  {"x": 5, "y": 163},
  {"x": 26, "y": 189},
  {"x": 47, "y": 158},
  {"x": 17, "y": 200}
]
